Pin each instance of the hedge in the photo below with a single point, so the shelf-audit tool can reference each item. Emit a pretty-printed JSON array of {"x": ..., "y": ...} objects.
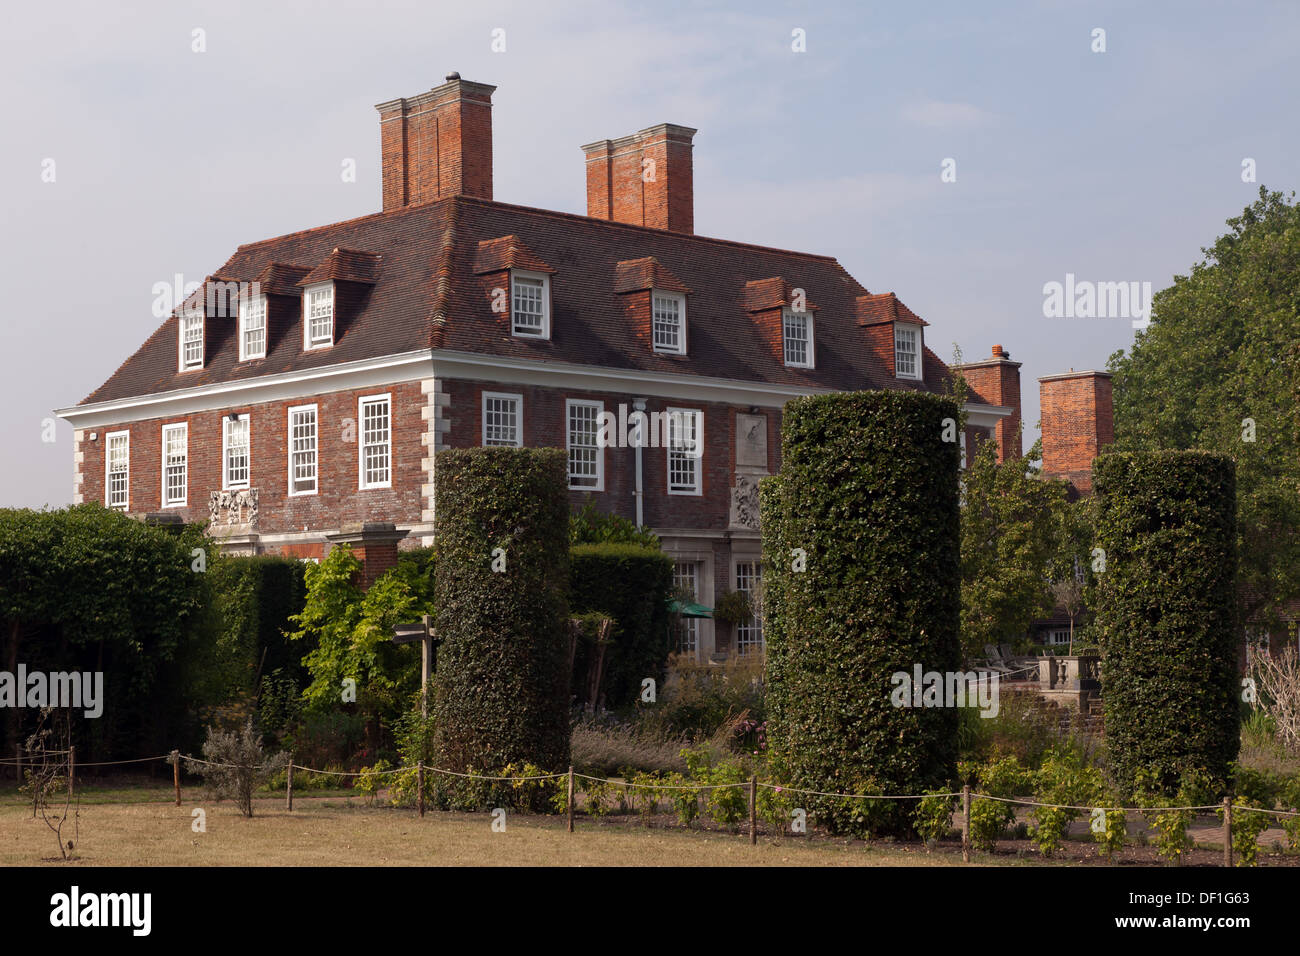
[
  {"x": 869, "y": 491},
  {"x": 502, "y": 686},
  {"x": 631, "y": 583},
  {"x": 92, "y": 590},
  {"x": 1166, "y": 615}
]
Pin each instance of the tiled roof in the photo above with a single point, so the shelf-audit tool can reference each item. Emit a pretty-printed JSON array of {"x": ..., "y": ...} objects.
[
  {"x": 426, "y": 263},
  {"x": 635, "y": 275},
  {"x": 885, "y": 307}
]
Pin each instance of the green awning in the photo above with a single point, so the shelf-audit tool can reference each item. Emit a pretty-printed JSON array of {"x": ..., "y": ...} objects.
[{"x": 687, "y": 609}]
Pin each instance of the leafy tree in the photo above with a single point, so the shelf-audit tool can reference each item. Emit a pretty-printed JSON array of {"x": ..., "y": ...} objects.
[
  {"x": 352, "y": 632},
  {"x": 1219, "y": 369},
  {"x": 1010, "y": 526}
]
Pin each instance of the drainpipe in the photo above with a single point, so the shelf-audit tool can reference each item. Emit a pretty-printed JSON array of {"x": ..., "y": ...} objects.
[{"x": 638, "y": 404}]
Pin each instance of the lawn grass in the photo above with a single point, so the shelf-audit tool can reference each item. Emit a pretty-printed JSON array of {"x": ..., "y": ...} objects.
[{"x": 331, "y": 832}]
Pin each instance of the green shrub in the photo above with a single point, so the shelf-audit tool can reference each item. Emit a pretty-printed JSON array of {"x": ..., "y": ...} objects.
[
  {"x": 1171, "y": 839},
  {"x": 1166, "y": 615},
  {"x": 989, "y": 819},
  {"x": 1110, "y": 828},
  {"x": 589, "y": 525},
  {"x": 1064, "y": 781},
  {"x": 631, "y": 584},
  {"x": 503, "y": 682},
  {"x": 685, "y": 801},
  {"x": 372, "y": 780},
  {"x": 1247, "y": 824},
  {"x": 934, "y": 815},
  {"x": 868, "y": 492}
]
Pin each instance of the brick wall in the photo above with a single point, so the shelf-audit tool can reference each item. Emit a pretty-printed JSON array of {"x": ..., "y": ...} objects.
[
  {"x": 338, "y": 498},
  {"x": 1077, "y": 423},
  {"x": 996, "y": 381}
]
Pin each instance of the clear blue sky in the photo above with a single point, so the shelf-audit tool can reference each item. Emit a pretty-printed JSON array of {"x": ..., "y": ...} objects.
[{"x": 1113, "y": 166}]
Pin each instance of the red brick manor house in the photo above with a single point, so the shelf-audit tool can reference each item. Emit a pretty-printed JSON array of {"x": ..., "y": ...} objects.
[{"x": 306, "y": 386}]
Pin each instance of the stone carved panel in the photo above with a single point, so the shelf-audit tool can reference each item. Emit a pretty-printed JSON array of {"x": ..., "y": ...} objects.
[
  {"x": 751, "y": 441},
  {"x": 744, "y": 503},
  {"x": 233, "y": 508}
]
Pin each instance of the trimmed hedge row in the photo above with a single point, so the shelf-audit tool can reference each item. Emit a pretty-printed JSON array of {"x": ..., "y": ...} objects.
[
  {"x": 503, "y": 683},
  {"x": 1166, "y": 615},
  {"x": 631, "y": 583},
  {"x": 868, "y": 491}
]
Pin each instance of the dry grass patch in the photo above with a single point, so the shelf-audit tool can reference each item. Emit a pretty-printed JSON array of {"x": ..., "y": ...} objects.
[{"x": 328, "y": 833}]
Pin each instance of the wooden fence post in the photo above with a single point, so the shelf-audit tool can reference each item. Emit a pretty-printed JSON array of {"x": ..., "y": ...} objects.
[
  {"x": 753, "y": 811},
  {"x": 570, "y": 798},
  {"x": 965, "y": 826},
  {"x": 72, "y": 770},
  {"x": 18, "y": 763},
  {"x": 1227, "y": 831},
  {"x": 419, "y": 785},
  {"x": 176, "y": 774},
  {"x": 288, "y": 797}
]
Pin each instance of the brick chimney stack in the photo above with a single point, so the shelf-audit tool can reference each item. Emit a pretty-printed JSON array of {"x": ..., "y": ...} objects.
[
  {"x": 645, "y": 179},
  {"x": 1078, "y": 421},
  {"x": 996, "y": 381},
  {"x": 437, "y": 144}
]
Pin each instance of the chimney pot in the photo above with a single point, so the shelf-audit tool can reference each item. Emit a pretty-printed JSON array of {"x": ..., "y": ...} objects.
[{"x": 453, "y": 76}]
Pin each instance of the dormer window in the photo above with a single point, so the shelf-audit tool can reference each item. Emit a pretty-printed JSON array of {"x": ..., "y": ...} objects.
[
  {"x": 669, "y": 321},
  {"x": 907, "y": 351},
  {"x": 252, "y": 328},
  {"x": 530, "y": 304},
  {"x": 318, "y": 316},
  {"x": 191, "y": 343},
  {"x": 797, "y": 338}
]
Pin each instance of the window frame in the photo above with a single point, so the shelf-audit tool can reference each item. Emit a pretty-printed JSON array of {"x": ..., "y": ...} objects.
[
  {"x": 680, "y": 299},
  {"x": 912, "y": 327},
  {"x": 599, "y": 406},
  {"x": 108, "y": 470},
  {"x": 697, "y": 416},
  {"x": 518, "y": 399},
  {"x": 755, "y": 623},
  {"x": 807, "y": 318},
  {"x": 362, "y": 402},
  {"x": 688, "y": 625},
  {"x": 289, "y": 450},
  {"x": 545, "y": 280},
  {"x": 226, "y": 422},
  {"x": 185, "y": 317},
  {"x": 244, "y": 354},
  {"x": 184, "y": 427},
  {"x": 307, "y": 344}
]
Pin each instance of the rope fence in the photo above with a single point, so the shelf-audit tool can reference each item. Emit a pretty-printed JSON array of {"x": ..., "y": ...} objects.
[{"x": 752, "y": 784}]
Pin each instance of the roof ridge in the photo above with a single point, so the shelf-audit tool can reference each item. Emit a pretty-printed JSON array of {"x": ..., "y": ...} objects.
[
  {"x": 560, "y": 214},
  {"x": 442, "y": 279}
]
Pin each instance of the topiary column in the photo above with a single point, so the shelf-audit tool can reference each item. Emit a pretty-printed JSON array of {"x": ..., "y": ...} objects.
[
  {"x": 861, "y": 582},
  {"x": 500, "y": 585},
  {"x": 1166, "y": 615}
]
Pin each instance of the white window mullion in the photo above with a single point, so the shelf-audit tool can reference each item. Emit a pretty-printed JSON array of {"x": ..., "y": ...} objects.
[
  {"x": 685, "y": 449},
  {"x": 375, "y": 458},
  {"x": 530, "y": 305},
  {"x": 175, "y": 465},
  {"x": 302, "y": 450},
  {"x": 191, "y": 339},
  {"x": 252, "y": 328},
  {"x": 117, "y": 469},
  {"x": 503, "y": 420},
  {"x": 236, "y": 445},
  {"x": 586, "y": 458},
  {"x": 668, "y": 320},
  {"x": 318, "y": 316}
]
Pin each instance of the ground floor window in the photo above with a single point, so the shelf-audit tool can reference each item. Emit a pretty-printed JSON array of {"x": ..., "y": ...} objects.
[
  {"x": 749, "y": 632},
  {"x": 1057, "y": 638},
  {"x": 686, "y": 582}
]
